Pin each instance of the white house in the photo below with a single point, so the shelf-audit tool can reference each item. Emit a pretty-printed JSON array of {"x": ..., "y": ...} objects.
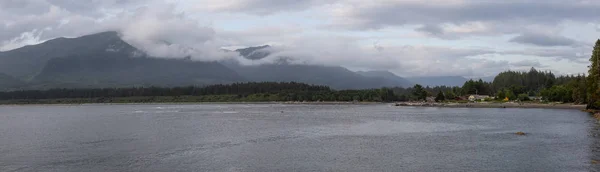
[{"x": 476, "y": 97}]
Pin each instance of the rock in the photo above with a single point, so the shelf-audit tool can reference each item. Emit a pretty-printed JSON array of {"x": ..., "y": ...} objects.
[{"x": 597, "y": 115}]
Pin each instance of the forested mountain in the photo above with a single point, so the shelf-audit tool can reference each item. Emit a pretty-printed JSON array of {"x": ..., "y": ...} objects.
[
  {"x": 28, "y": 61},
  {"x": 8, "y": 82},
  {"x": 108, "y": 69},
  {"x": 438, "y": 80},
  {"x": 105, "y": 60},
  {"x": 333, "y": 76},
  {"x": 254, "y": 53},
  {"x": 394, "y": 79}
]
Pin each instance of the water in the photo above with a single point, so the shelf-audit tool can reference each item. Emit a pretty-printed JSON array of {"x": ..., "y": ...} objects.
[{"x": 274, "y": 137}]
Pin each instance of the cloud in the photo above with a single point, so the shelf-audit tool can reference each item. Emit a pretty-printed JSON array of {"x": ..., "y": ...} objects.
[
  {"x": 381, "y": 13},
  {"x": 577, "y": 55},
  {"x": 543, "y": 40},
  {"x": 146, "y": 27},
  {"x": 527, "y": 63},
  {"x": 432, "y": 30},
  {"x": 259, "y": 7},
  {"x": 404, "y": 60},
  {"x": 459, "y": 19},
  {"x": 201, "y": 28},
  {"x": 149, "y": 27},
  {"x": 258, "y": 35}
]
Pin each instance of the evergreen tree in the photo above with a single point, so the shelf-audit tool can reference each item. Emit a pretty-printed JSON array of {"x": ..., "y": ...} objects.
[
  {"x": 501, "y": 94},
  {"x": 450, "y": 95},
  {"x": 509, "y": 93},
  {"x": 593, "y": 78},
  {"x": 419, "y": 92},
  {"x": 440, "y": 97}
]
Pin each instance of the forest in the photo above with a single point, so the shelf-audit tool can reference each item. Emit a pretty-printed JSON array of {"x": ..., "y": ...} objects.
[
  {"x": 515, "y": 86},
  {"x": 237, "y": 92},
  {"x": 510, "y": 84}
]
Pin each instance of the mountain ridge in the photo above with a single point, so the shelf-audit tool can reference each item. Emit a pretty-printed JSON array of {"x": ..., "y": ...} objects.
[
  {"x": 105, "y": 60},
  {"x": 433, "y": 81},
  {"x": 336, "y": 77},
  {"x": 27, "y": 61}
]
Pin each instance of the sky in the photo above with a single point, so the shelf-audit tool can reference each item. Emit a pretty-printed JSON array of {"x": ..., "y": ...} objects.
[{"x": 471, "y": 38}]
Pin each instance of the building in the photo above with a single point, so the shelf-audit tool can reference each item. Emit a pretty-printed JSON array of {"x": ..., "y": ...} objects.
[{"x": 476, "y": 97}]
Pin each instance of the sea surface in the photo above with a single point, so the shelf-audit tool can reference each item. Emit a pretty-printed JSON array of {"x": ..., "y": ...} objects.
[{"x": 279, "y": 137}]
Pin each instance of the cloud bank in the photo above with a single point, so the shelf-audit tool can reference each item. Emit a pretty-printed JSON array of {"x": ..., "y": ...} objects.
[{"x": 407, "y": 37}]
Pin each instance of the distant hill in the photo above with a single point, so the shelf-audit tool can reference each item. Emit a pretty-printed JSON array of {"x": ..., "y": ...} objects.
[
  {"x": 391, "y": 77},
  {"x": 9, "y": 83},
  {"x": 334, "y": 76},
  {"x": 439, "y": 80},
  {"x": 105, "y": 60},
  {"x": 486, "y": 79},
  {"x": 28, "y": 61},
  {"x": 254, "y": 53},
  {"x": 110, "y": 69}
]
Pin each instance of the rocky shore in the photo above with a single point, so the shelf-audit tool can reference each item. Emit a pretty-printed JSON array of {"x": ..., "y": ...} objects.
[{"x": 494, "y": 105}]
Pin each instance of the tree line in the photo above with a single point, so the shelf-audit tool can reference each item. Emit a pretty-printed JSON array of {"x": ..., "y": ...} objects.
[
  {"x": 513, "y": 85},
  {"x": 251, "y": 91}
]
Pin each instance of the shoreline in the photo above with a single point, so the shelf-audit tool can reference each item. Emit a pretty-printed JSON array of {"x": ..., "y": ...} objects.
[
  {"x": 495, "y": 105},
  {"x": 50, "y": 102},
  {"x": 193, "y": 103}
]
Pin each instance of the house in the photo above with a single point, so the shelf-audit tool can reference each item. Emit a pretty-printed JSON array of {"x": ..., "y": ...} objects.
[{"x": 476, "y": 97}]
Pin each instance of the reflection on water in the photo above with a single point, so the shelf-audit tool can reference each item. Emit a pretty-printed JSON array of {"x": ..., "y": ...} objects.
[
  {"x": 595, "y": 144},
  {"x": 276, "y": 137}
]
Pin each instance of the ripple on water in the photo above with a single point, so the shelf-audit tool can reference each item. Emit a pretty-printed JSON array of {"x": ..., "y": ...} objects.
[{"x": 383, "y": 127}]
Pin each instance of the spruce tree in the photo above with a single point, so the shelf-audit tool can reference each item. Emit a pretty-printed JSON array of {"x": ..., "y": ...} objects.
[
  {"x": 440, "y": 97},
  {"x": 594, "y": 78}
]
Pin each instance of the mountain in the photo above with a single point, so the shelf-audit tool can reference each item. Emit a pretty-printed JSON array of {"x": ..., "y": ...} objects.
[
  {"x": 254, "y": 53},
  {"x": 103, "y": 60},
  {"x": 391, "y": 77},
  {"x": 108, "y": 69},
  {"x": 27, "y": 61},
  {"x": 486, "y": 78},
  {"x": 333, "y": 76},
  {"x": 8, "y": 82},
  {"x": 439, "y": 80}
]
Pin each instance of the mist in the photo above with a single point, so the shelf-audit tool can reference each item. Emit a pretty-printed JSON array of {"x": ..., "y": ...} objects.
[{"x": 334, "y": 34}]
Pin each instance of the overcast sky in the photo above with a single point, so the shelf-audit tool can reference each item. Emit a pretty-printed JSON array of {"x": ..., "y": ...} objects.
[{"x": 408, "y": 37}]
